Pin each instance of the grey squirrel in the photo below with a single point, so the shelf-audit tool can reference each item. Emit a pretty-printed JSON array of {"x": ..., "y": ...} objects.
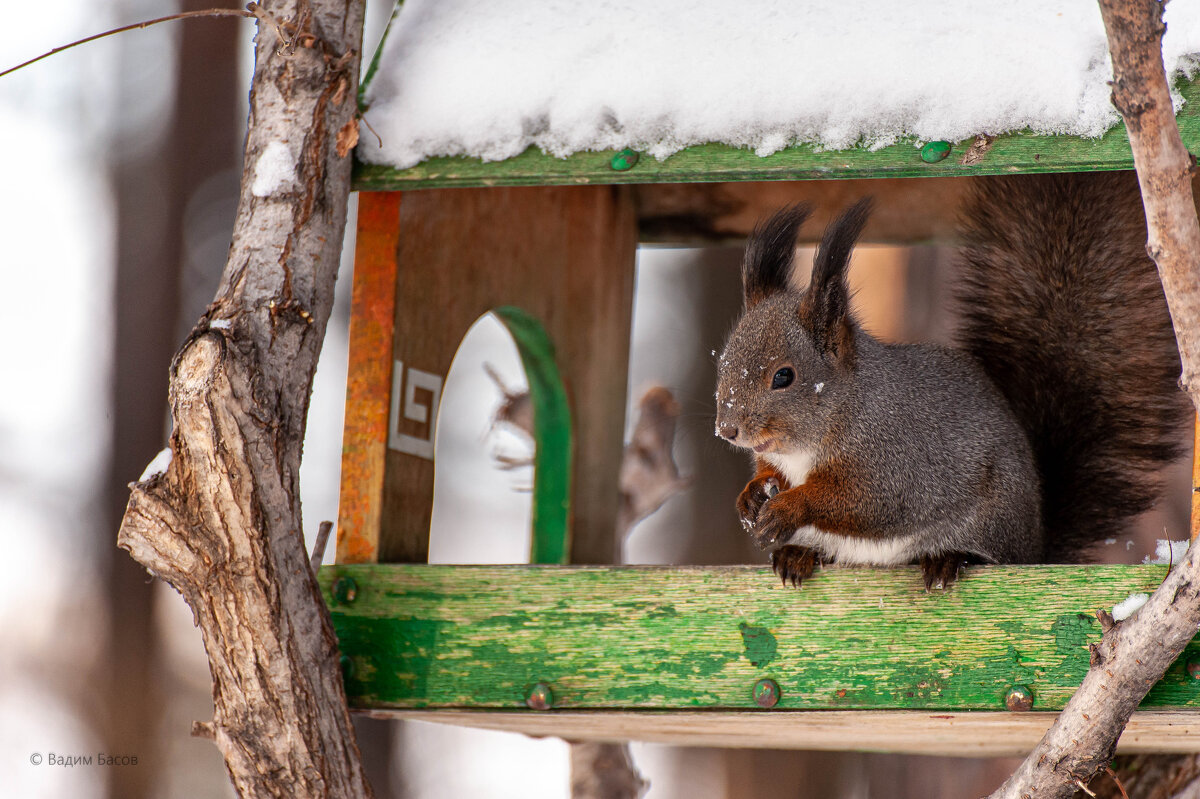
[{"x": 1036, "y": 437}]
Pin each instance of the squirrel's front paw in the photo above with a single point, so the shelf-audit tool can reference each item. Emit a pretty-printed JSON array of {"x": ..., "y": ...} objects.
[
  {"x": 794, "y": 564},
  {"x": 751, "y": 500},
  {"x": 776, "y": 524}
]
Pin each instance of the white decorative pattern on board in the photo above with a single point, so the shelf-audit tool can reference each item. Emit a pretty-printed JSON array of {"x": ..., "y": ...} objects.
[{"x": 407, "y": 384}]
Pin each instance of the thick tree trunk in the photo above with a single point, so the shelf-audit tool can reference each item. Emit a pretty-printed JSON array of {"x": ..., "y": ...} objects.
[
  {"x": 222, "y": 524},
  {"x": 1134, "y": 654}
]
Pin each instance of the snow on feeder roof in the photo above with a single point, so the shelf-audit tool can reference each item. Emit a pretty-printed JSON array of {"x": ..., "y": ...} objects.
[{"x": 489, "y": 78}]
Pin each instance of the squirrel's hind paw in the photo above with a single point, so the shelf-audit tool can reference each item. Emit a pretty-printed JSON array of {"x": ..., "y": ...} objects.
[
  {"x": 794, "y": 564},
  {"x": 941, "y": 570}
]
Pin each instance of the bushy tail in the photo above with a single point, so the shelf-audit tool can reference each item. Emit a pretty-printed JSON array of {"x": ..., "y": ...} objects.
[{"x": 1065, "y": 312}]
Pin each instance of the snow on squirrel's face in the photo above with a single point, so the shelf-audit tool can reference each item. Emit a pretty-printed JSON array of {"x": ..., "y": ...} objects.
[{"x": 774, "y": 390}]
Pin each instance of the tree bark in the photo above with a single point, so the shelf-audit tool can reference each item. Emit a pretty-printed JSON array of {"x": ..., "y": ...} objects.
[
  {"x": 1134, "y": 654},
  {"x": 222, "y": 524}
]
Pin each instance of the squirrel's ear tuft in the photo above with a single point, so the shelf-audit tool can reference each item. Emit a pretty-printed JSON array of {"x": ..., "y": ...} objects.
[
  {"x": 825, "y": 310},
  {"x": 770, "y": 252}
]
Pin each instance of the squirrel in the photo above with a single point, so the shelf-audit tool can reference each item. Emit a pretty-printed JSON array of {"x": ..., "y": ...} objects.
[{"x": 1034, "y": 438}]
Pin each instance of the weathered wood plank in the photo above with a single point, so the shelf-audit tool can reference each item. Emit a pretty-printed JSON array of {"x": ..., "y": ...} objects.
[
  {"x": 689, "y": 638},
  {"x": 905, "y": 211},
  {"x": 1018, "y": 152},
  {"x": 369, "y": 377},
  {"x": 971, "y": 734}
]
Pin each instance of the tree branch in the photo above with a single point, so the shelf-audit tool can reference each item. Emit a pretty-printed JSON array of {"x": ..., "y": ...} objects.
[
  {"x": 222, "y": 525},
  {"x": 1134, "y": 654},
  {"x": 137, "y": 26}
]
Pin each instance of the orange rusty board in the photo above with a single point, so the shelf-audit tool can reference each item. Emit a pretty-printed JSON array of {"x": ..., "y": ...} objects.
[
  {"x": 369, "y": 378},
  {"x": 1195, "y": 525}
]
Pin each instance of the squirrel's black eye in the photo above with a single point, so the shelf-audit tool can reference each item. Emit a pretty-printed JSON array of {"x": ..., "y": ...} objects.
[{"x": 783, "y": 378}]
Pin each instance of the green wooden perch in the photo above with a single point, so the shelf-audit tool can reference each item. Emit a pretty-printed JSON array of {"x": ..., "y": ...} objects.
[{"x": 481, "y": 637}]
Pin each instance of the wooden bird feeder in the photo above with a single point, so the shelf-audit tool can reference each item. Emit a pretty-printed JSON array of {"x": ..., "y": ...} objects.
[{"x": 858, "y": 659}]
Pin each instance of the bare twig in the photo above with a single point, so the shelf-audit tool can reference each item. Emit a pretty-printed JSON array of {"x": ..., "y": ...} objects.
[
  {"x": 208, "y": 12},
  {"x": 1134, "y": 654},
  {"x": 516, "y": 407},
  {"x": 1117, "y": 781},
  {"x": 318, "y": 548}
]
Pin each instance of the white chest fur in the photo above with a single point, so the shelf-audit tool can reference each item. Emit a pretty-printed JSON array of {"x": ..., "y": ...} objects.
[
  {"x": 794, "y": 465},
  {"x": 851, "y": 549}
]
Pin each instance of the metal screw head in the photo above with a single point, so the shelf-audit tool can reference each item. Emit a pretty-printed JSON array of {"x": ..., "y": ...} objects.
[
  {"x": 626, "y": 159},
  {"x": 540, "y": 697},
  {"x": 345, "y": 590},
  {"x": 1193, "y": 668},
  {"x": 935, "y": 151},
  {"x": 1019, "y": 698},
  {"x": 766, "y": 693}
]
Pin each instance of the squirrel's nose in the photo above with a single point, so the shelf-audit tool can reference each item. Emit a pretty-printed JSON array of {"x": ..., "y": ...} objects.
[{"x": 726, "y": 430}]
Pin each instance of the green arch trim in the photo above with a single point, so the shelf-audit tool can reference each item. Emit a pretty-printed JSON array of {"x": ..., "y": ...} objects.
[{"x": 550, "y": 542}]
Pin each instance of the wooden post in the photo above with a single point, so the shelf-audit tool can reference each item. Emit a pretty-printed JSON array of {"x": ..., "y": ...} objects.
[
  {"x": 369, "y": 377},
  {"x": 1195, "y": 517}
]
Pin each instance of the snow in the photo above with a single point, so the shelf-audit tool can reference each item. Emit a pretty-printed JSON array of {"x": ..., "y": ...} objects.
[
  {"x": 489, "y": 78},
  {"x": 157, "y": 466},
  {"x": 274, "y": 170},
  {"x": 1128, "y": 606},
  {"x": 221, "y": 324},
  {"x": 1168, "y": 552}
]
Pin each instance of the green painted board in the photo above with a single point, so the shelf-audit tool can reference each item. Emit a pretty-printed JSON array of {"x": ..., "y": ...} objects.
[
  {"x": 550, "y": 541},
  {"x": 1012, "y": 153},
  {"x": 480, "y": 637}
]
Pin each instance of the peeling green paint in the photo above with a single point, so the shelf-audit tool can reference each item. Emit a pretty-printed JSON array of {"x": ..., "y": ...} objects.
[
  {"x": 1072, "y": 632},
  {"x": 760, "y": 644}
]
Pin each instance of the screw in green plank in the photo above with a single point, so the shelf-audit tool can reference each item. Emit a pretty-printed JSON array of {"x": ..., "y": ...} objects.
[
  {"x": 1193, "y": 668},
  {"x": 626, "y": 159},
  {"x": 935, "y": 151},
  {"x": 347, "y": 667},
  {"x": 345, "y": 590},
  {"x": 540, "y": 697},
  {"x": 766, "y": 693},
  {"x": 1019, "y": 698}
]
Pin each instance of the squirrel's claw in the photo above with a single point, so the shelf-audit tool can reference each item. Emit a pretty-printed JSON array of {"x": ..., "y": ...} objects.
[
  {"x": 940, "y": 571},
  {"x": 750, "y": 502},
  {"x": 794, "y": 564}
]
